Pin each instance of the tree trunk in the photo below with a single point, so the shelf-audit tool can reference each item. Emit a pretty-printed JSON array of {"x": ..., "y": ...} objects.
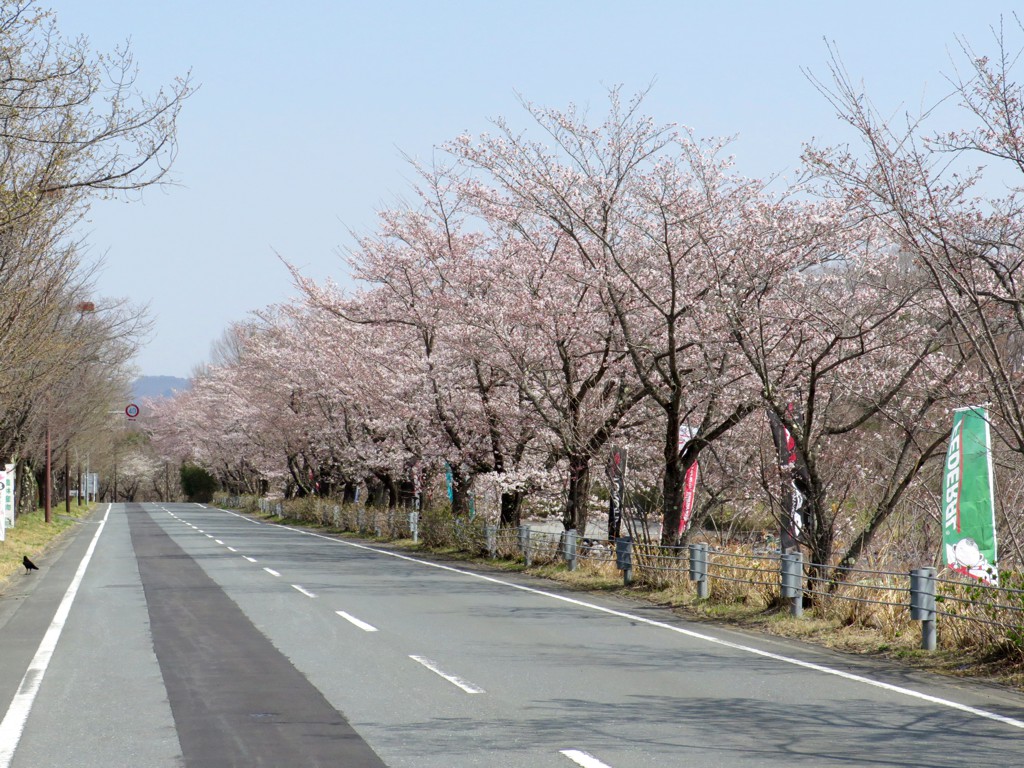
[
  {"x": 462, "y": 490},
  {"x": 392, "y": 486},
  {"x": 511, "y": 506},
  {"x": 576, "y": 511},
  {"x": 672, "y": 484},
  {"x": 348, "y": 493},
  {"x": 376, "y": 490}
]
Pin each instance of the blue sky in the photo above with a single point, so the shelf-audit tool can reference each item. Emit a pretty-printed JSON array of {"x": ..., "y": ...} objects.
[{"x": 297, "y": 133}]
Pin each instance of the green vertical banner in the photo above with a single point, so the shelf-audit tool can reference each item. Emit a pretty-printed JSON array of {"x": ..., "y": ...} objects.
[{"x": 968, "y": 498}]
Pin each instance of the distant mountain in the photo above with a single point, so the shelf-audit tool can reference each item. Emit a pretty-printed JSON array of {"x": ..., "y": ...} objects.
[{"x": 158, "y": 386}]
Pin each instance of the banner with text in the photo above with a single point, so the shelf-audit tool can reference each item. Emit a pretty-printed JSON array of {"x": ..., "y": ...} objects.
[
  {"x": 6, "y": 500},
  {"x": 968, "y": 498},
  {"x": 686, "y": 434},
  {"x": 616, "y": 470},
  {"x": 9, "y": 476},
  {"x": 794, "y": 482}
]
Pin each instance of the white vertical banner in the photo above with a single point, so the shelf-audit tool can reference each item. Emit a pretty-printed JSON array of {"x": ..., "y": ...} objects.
[
  {"x": 8, "y": 501},
  {"x": 7, "y": 482}
]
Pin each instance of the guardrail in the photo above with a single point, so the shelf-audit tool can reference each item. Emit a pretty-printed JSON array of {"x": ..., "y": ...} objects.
[{"x": 968, "y": 609}]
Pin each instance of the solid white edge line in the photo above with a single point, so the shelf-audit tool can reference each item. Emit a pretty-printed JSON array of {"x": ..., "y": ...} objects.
[
  {"x": 241, "y": 517},
  {"x": 680, "y": 630},
  {"x": 303, "y": 590},
  {"x": 271, "y": 571},
  {"x": 456, "y": 681},
  {"x": 14, "y": 721},
  {"x": 582, "y": 758},
  {"x": 358, "y": 622}
]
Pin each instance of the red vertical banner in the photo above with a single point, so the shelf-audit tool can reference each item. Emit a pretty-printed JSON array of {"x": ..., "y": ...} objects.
[{"x": 686, "y": 434}]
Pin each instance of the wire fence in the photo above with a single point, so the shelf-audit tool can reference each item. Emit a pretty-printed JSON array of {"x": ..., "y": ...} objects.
[{"x": 973, "y": 615}]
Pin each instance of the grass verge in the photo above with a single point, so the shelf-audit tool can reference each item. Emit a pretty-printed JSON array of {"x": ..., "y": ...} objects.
[{"x": 32, "y": 535}]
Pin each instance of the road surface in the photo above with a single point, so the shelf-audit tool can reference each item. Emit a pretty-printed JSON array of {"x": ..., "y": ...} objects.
[{"x": 180, "y": 635}]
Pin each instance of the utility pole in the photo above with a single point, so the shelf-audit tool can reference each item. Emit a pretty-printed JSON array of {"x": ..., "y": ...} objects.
[
  {"x": 67, "y": 484},
  {"x": 46, "y": 484}
]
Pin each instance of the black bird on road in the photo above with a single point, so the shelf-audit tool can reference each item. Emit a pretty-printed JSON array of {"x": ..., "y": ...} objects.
[{"x": 29, "y": 565}]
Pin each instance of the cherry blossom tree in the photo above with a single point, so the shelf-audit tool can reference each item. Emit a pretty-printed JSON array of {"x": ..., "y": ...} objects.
[
  {"x": 549, "y": 330},
  {"x": 650, "y": 213},
  {"x": 925, "y": 188},
  {"x": 423, "y": 267},
  {"x": 853, "y": 356}
]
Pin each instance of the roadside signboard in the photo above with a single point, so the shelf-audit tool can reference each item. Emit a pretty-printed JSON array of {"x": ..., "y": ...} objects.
[{"x": 7, "y": 477}]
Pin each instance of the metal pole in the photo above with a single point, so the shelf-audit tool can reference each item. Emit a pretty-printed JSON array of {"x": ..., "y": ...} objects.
[
  {"x": 699, "y": 569},
  {"x": 624, "y": 558},
  {"x": 524, "y": 543},
  {"x": 491, "y": 536},
  {"x": 569, "y": 548},
  {"x": 792, "y": 582},
  {"x": 67, "y": 483},
  {"x": 922, "y": 605},
  {"x": 46, "y": 482}
]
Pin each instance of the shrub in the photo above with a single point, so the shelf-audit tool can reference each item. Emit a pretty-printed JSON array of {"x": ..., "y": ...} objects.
[{"x": 197, "y": 484}]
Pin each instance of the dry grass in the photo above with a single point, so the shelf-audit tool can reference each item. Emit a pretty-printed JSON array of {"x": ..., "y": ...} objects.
[{"x": 31, "y": 536}]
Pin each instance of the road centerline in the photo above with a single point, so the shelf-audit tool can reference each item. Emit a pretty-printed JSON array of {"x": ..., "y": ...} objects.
[
  {"x": 458, "y": 682},
  {"x": 357, "y": 622},
  {"x": 583, "y": 759}
]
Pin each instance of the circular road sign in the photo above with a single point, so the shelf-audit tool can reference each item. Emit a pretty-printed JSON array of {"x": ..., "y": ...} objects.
[{"x": 131, "y": 411}]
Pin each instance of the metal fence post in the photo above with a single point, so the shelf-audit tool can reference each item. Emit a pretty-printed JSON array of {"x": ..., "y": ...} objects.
[
  {"x": 337, "y": 517},
  {"x": 699, "y": 569},
  {"x": 359, "y": 520},
  {"x": 414, "y": 525},
  {"x": 491, "y": 537},
  {"x": 569, "y": 548},
  {"x": 524, "y": 543},
  {"x": 792, "y": 582},
  {"x": 624, "y": 558},
  {"x": 922, "y": 604}
]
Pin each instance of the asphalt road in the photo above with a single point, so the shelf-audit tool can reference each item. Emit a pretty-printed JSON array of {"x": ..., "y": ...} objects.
[{"x": 197, "y": 637}]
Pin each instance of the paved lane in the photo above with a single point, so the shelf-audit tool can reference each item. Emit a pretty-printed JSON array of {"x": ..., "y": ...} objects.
[
  {"x": 236, "y": 700},
  {"x": 102, "y": 690}
]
